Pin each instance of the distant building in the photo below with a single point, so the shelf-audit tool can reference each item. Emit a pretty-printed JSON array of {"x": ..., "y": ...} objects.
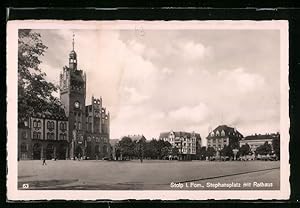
[
  {"x": 224, "y": 135},
  {"x": 186, "y": 142},
  {"x": 136, "y": 137},
  {"x": 257, "y": 140}
]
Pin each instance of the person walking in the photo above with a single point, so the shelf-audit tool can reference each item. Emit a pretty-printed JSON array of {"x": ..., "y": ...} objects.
[{"x": 44, "y": 161}]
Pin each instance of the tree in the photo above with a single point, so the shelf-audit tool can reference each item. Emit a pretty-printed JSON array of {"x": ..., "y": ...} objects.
[
  {"x": 126, "y": 147},
  {"x": 244, "y": 150},
  {"x": 276, "y": 146},
  {"x": 140, "y": 148},
  {"x": 151, "y": 149},
  {"x": 227, "y": 151},
  {"x": 210, "y": 152},
  {"x": 34, "y": 92},
  {"x": 175, "y": 152},
  {"x": 264, "y": 149},
  {"x": 201, "y": 153}
]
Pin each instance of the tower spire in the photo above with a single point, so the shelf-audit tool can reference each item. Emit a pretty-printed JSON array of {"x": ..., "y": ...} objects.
[{"x": 73, "y": 42}]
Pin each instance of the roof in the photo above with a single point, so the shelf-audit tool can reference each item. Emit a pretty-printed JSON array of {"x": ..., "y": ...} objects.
[
  {"x": 179, "y": 134},
  {"x": 262, "y": 136},
  {"x": 136, "y": 137},
  {"x": 58, "y": 115},
  {"x": 229, "y": 131}
]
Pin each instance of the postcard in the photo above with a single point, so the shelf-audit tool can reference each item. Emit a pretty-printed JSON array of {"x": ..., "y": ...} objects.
[{"x": 115, "y": 110}]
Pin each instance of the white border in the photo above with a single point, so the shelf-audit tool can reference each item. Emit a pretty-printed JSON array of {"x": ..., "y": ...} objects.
[{"x": 12, "y": 36}]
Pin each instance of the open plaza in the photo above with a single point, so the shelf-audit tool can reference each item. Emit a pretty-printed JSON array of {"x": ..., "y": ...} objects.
[{"x": 149, "y": 175}]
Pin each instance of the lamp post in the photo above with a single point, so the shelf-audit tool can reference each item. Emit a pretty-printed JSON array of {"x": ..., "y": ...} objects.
[{"x": 235, "y": 151}]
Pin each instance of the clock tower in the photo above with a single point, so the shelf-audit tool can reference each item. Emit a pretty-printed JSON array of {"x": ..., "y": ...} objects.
[{"x": 72, "y": 96}]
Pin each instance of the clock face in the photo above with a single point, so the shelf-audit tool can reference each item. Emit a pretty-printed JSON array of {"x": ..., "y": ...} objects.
[{"x": 76, "y": 104}]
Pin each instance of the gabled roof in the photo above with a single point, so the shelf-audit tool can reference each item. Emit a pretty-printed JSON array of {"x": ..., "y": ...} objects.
[{"x": 229, "y": 131}]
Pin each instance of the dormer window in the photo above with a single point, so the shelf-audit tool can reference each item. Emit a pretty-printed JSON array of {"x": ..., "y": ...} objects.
[
  {"x": 222, "y": 133},
  {"x": 217, "y": 133},
  {"x": 212, "y": 134}
]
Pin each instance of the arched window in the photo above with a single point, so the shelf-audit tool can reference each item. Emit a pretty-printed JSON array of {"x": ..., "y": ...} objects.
[
  {"x": 212, "y": 134},
  {"x": 39, "y": 124},
  {"x": 34, "y": 123},
  {"x": 222, "y": 133},
  {"x": 217, "y": 133}
]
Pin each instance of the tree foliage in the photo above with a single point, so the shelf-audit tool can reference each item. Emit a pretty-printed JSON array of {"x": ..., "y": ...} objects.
[
  {"x": 126, "y": 147},
  {"x": 201, "y": 153},
  {"x": 227, "y": 151},
  {"x": 210, "y": 152},
  {"x": 244, "y": 150},
  {"x": 34, "y": 92},
  {"x": 276, "y": 146},
  {"x": 264, "y": 149}
]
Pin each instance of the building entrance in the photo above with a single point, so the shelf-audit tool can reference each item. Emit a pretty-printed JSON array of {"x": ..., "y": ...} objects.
[
  {"x": 37, "y": 148},
  {"x": 50, "y": 152},
  {"x": 61, "y": 152}
]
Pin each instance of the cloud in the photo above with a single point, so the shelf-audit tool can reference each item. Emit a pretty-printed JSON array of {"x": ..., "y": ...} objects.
[
  {"x": 167, "y": 71},
  {"x": 194, "y": 114},
  {"x": 171, "y": 80},
  {"x": 194, "y": 51},
  {"x": 134, "y": 97},
  {"x": 240, "y": 80}
]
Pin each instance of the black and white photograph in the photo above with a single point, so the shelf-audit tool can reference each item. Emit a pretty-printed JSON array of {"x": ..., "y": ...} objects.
[{"x": 148, "y": 109}]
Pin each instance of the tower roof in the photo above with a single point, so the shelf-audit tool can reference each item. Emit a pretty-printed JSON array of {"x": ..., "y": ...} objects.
[{"x": 73, "y": 53}]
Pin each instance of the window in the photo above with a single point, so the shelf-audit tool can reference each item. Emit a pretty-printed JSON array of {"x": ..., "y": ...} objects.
[
  {"x": 35, "y": 135},
  {"x": 50, "y": 136},
  {"x": 79, "y": 125},
  {"x": 217, "y": 133},
  {"x": 50, "y": 124},
  {"x": 24, "y": 135},
  {"x": 39, "y": 124},
  {"x": 34, "y": 123},
  {"x": 223, "y": 133},
  {"x": 23, "y": 147},
  {"x": 225, "y": 140},
  {"x": 39, "y": 135},
  {"x": 212, "y": 134},
  {"x": 63, "y": 126},
  {"x": 214, "y": 140}
]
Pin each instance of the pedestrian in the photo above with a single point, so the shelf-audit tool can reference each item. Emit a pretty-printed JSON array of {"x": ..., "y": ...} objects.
[{"x": 44, "y": 161}]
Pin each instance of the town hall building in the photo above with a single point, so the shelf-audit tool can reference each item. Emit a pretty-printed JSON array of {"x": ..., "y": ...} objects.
[{"x": 77, "y": 131}]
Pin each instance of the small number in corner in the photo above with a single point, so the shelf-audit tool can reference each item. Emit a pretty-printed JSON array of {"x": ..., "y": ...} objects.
[{"x": 25, "y": 186}]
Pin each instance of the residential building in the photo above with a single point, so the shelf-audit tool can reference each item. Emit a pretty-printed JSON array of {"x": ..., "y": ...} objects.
[
  {"x": 186, "y": 142},
  {"x": 257, "y": 140},
  {"x": 224, "y": 135}
]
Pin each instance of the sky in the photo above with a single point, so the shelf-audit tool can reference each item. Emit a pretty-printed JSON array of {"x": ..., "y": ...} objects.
[{"x": 182, "y": 80}]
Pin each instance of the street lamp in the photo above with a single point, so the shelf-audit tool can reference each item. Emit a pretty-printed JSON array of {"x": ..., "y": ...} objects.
[{"x": 235, "y": 151}]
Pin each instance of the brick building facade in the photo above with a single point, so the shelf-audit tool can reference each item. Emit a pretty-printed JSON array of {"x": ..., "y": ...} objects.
[{"x": 81, "y": 131}]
